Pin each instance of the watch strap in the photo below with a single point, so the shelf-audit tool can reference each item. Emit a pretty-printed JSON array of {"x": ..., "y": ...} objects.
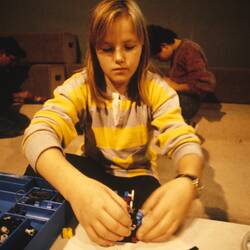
[{"x": 195, "y": 181}]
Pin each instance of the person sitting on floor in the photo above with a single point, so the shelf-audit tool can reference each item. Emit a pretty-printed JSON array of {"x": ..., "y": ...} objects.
[
  {"x": 128, "y": 115},
  {"x": 188, "y": 74},
  {"x": 12, "y": 75}
]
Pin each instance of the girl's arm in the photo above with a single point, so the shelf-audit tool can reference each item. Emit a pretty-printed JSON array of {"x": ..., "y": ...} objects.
[
  {"x": 190, "y": 164},
  {"x": 166, "y": 209},
  {"x": 103, "y": 213},
  {"x": 100, "y": 210}
]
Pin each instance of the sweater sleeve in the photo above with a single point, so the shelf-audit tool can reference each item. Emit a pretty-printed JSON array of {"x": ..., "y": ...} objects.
[
  {"x": 172, "y": 136},
  {"x": 54, "y": 124}
]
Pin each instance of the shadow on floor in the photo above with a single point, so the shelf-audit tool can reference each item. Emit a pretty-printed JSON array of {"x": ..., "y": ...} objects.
[
  {"x": 211, "y": 112},
  {"x": 213, "y": 196}
]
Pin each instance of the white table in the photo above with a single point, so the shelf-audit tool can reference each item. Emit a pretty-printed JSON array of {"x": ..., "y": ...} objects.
[{"x": 203, "y": 233}]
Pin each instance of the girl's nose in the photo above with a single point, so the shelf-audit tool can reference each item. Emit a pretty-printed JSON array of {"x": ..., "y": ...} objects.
[{"x": 119, "y": 56}]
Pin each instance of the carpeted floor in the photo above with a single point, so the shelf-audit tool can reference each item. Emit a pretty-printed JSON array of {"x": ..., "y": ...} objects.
[{"x": 225, "y": 134}]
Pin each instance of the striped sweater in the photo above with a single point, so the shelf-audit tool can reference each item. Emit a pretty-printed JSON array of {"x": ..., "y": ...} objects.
[{"x": 124, "y": 137}]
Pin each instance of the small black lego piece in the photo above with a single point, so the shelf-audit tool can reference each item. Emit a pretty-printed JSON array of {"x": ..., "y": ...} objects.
[{"x": 40, "y": 195}]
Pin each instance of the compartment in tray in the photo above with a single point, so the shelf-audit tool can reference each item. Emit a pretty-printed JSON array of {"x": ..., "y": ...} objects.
[
  {"x": 40, "y": 194},
  {"x": 8, "y": 200},
  {"x": 40, "y": 183},
  {"x": 15, "y": 178},
  {"x": 47, "y": 204},
  {"x": 12, "y": 184},
  {"x": 58, "y": 198},
  {"x": 23, "y": 234},
  {"x": 34, "y": 203},
  {"x": 9, "y": 225},
  {"x": 52, "y": 228},
  {"x": 32, "y": 212}
]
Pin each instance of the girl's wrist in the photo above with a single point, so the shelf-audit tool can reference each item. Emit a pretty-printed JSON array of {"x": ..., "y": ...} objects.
[
  {"x": 78, "y": 182},
  {"x": 194, "y": 180}
]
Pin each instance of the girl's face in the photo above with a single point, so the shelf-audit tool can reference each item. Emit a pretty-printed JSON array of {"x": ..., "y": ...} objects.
[{"x": 119, "y": 53}]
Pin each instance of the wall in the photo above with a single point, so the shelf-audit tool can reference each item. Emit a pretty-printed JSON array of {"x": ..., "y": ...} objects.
[{"x": 220, "y": 27}]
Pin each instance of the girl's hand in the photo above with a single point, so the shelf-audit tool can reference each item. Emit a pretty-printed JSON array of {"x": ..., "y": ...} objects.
[
  {"x": 101, "y": 211},
  {"x": 165, "y": 210}
]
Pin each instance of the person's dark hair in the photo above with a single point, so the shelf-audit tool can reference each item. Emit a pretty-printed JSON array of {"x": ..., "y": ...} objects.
[
  {"x": 159, "y": 35},
  {"x": 11, "y": 47}
]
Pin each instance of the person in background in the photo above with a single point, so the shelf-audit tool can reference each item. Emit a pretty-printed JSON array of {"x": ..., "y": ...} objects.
[
  {"x": 129, "y": 115},
  {"x": 13, "y": 72},
  {"x": 188, "y": 73},
  {"x": 12, "y": 75}
]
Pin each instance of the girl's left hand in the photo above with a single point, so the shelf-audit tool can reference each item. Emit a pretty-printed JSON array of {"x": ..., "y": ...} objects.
[{"x": 165, "y": 210}]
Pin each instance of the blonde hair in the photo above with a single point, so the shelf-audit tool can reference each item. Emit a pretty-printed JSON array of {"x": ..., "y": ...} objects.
[{"x": 101, "y": 17}]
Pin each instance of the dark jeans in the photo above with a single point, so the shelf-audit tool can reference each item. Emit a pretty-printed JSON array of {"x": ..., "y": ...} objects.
[
  {"x": 190, "y": 105},
  {"x": 12, "y": 123},
  {"x": 11, "y": 80},
  {"x": 142, "y": 185}
]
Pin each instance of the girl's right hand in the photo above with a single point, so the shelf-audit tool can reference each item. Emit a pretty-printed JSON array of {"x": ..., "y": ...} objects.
[{"x": 101, "y": 211}]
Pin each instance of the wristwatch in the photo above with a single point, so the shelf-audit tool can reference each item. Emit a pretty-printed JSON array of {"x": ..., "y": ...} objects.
[{"x": 195, "y": 181}]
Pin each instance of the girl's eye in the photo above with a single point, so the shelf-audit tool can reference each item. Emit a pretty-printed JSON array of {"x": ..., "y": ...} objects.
[
  {"x": 129, "y": 47},
  {"x": 108, "y": 49}
]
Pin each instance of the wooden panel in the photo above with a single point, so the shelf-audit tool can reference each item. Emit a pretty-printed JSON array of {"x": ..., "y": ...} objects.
[
  {"x": 44, "y": 78},
  {"x": 48, "y": 47}
]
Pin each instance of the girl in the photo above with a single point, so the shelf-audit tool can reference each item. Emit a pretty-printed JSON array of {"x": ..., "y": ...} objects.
[{"x": 128, "y": 115}]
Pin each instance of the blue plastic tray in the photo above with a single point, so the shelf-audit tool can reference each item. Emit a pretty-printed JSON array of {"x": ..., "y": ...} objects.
[{"x": 21, "y": 211}]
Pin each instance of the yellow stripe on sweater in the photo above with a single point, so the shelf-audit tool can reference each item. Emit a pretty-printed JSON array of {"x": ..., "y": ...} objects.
[{"x": 121, "y": 138}]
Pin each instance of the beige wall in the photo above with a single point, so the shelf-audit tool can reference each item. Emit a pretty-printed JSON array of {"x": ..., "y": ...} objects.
[{"x": 220, "y": 27}]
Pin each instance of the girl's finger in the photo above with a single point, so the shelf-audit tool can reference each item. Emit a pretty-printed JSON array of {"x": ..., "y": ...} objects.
[
  {"x": 96, "y": 238},
  {"x": 121, "y": 202},
  {"x": 105, "y": 233},
  {"x": 151, "y": 202},
  {"x": 166, "y": 235},
  {"x": 113, "y": 225},
  {"x": 153, "y": 226}
]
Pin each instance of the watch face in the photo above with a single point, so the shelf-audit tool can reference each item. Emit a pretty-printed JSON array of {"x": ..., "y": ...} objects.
[{"x": 196, "y": 182}]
